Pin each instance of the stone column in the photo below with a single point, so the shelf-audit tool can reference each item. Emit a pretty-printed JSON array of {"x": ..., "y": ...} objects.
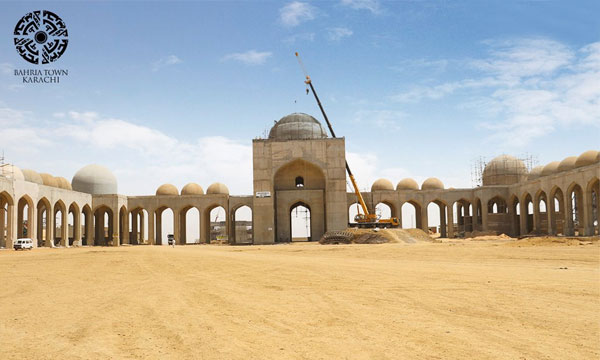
[
  {"x": 89, "y": 229},
  {"x": 114, "y": 226},
  {"x": 12, "y": 226},
  {"x": 204, "y": 226},
  {"x": 151, "y": 236},
  {"x": 141, "y": 227},
  {"x": 64, "y": 229},
  {"x": 443, "y": 230},
  {"x": 98, "y": 229},
  {"x": 20, "y": 226},
  {"x": 31, "y": 224},
  {"x": 399, "y": 204},
  {"x": 177, "y": 226},
  {"x": 50, "y": 226},
  {"x": 512, "y": 214},
  {"x": 2, "y": 226},
  {"x": 40, "y": 227},
  {"x": 484, "y": 217},
  {"x": 460, "y": 220},
  {"x": 125, "y": 228},
  {"x": 536, "y": 215},
  {"x": 523, "y": 218},
  {"x": 568, "y": 225},
  {"x": 158, "y": 227},
  {"x": 450, "y": 212},
  {"x": 424, "y": 220},
  {"x": 475, "y": 216},
  {"x": 550, "y": 216},
  {"x": 228, "y": 227},
  {"x": 134, "y": 228},
  {"x": 588, "y": 225}
]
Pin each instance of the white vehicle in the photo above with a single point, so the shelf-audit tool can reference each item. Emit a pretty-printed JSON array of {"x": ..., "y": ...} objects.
[{"x": 23, "y": 244}]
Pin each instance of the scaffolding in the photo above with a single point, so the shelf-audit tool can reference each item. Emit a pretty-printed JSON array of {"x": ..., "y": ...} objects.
[
  {"x": 6, "y": 169},
  {"x": 478, "y": 166}
]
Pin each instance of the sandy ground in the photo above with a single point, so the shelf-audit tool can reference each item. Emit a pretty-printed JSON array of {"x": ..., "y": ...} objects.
[{"x": 459, "y": 299}]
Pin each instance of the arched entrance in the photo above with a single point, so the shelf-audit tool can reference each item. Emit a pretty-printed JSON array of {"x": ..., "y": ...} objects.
[
  {"x": 575, "y": 210},
  {"x": 437, "y": 217},
  {"x": 103, "y": 226},
  {"x": 556, "y": 208},
  {"x": 528, "y": 202},
  {"x": 165, "y": 225},
  {"x": 6, "y": 216},
  {"x": 88, "y": 228},
  {"x": 300, "y": 222},
  {"x": 25, "y": 218},
  {"x": 299, "y": 183},
  {"x": 138, "y": 224},
  {"x": 123, "y": 225},
  {"x": 592, "y": 195},
  {"x": 411, "y": 215},
  {"x": 216, "y": 224},
  {"x": 45, "y": 231},
  {"x": 540, "y": 212},
  {"x": 189, "y": 228},
  {"x": 242, "y": 226},
  {"x": 464, "y": 216},
  {"x": 60, "y": 224},
  {"x": 74, "y": 233}
]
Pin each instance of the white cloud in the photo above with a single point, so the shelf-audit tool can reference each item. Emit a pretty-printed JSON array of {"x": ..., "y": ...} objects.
[
  {"x": 299, "y": 37},
  {"x": 412, "y": 65},
  {"x": 370, "y": 5},
  {"x": 251, "y": 57},
  {"x": 337, "y": 33},
  {"x": 141, "y": 157},
  {"x": 524, "y": 58},
  {"x": 11, "y": 117},
  {"x": 6, "y": 68},
  {"x": 385, "y": 119},
  {"x": 165, "y": 61},
  {"x": 295, "y": 13},
  {"x": 527, "y": 88}
]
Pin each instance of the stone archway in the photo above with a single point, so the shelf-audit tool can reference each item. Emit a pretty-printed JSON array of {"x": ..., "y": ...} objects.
[{"x": 311, "y": 194}]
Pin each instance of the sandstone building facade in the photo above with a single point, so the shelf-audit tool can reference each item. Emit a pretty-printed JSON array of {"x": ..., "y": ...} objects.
[{"x": 297, "y": 165}]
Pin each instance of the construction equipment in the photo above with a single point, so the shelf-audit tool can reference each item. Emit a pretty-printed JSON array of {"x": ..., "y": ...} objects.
[{"x": 367, "y": 219}]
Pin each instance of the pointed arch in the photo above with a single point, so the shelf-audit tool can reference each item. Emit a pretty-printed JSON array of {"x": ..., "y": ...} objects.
[
  {"x": 25, "y": 217},
  {"x": 75, "y": 231}
]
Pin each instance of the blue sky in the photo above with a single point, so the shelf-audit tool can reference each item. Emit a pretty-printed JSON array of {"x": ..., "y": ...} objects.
[{"x": 175, "y": 91}]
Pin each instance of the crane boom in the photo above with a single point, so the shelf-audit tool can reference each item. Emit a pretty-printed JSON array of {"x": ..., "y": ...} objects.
[{"x": 312, "y": 88}]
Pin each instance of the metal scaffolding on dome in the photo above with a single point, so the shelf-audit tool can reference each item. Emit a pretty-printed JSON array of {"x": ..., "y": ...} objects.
[{"x": 478, "y": 166}]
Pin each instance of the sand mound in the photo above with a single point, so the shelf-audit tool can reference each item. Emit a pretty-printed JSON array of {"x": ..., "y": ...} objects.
[
  {"x": 554, "y": 241},
  {"x": 379, "y": 236},
  {"x": 489, "y": 237}
]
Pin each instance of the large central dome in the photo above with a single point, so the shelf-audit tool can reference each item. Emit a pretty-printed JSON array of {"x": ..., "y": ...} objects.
[{"x": 297, "y": 126}]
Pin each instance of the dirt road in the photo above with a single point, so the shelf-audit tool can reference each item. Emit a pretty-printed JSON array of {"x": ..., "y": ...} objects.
[{"x": 459, "y": 300}]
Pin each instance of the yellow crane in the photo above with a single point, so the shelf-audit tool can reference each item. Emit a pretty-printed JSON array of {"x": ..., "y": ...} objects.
[{"x": 362, "y": 220}]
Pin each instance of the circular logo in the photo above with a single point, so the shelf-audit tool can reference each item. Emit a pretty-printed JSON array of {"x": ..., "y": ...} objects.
[{"x": 41, "y": 37}]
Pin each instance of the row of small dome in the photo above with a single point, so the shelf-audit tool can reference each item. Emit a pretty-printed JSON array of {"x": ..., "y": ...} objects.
[
  {"x": 14, "y": 172},
  {"x": 407, "y": 184},
  {"x": 92, "y": 179},
  {"x": 589, "y": 157},
  {"x": 192, "y": 189},
  {"x": 508, "y": 170}
]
